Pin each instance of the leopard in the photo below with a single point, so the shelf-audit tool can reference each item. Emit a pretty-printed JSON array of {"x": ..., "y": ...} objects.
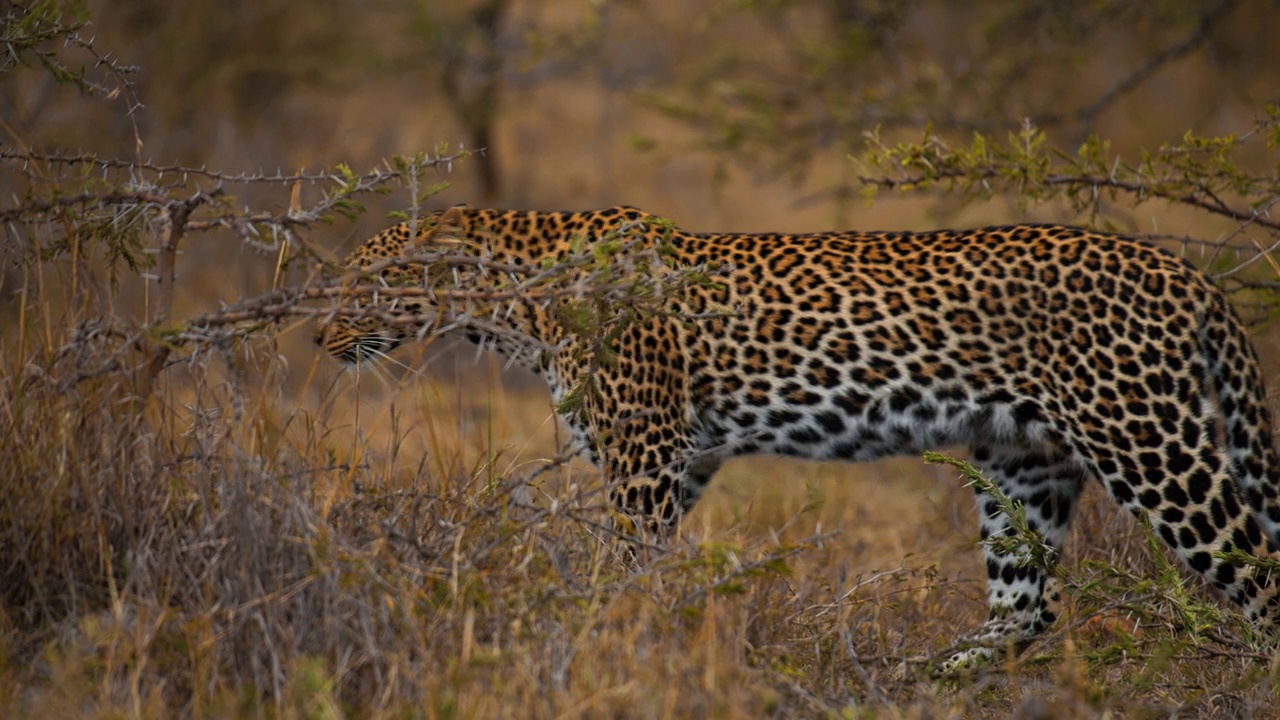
[{"x": 1057, "y": 354}]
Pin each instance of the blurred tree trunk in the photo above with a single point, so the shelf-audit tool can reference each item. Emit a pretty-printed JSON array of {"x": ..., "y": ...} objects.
[{"x": 472, "y": 83}]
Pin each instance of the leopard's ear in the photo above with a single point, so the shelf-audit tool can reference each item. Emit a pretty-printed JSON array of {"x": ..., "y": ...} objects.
[{"x": 450, "y": 228}]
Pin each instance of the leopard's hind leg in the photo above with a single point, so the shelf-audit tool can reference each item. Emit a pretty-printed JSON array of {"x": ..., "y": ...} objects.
[
  {"x": 1023, "y": 599},
  {"x": 1167, "y": 463}
]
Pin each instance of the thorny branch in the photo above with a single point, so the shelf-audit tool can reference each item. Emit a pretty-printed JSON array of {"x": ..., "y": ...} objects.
[
  {"x": 1198, "y": 198},
  {"x": 183, "y": 172},
  {"x": 626, "y": 285},
  {"x": 144, "y": 185},
  {"x": 129, "y": 204},
  {"x": 1209, "y": 174},
  {"x": 356, "y": 294},
  {"x": 28, "y": 30}
]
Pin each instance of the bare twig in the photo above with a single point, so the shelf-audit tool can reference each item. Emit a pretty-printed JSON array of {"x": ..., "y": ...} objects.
[{"x": 1212, "y": 17}]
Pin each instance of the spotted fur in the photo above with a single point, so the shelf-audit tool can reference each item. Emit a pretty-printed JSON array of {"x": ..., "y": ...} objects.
[{"x": 1055, "y": 353}]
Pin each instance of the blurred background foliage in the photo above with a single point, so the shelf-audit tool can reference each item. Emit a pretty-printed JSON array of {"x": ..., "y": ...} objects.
[{"x": 698, "y": 109}]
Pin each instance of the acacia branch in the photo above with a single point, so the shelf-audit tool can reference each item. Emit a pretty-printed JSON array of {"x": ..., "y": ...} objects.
[
  {"x": 1202, "y": 198},
  {"x": 86, "y": 199},
  {"x": 177, "y": 224},
  {"x": 186, "y": 172}
]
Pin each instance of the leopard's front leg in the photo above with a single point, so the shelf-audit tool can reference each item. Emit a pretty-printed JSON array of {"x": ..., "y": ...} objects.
[
  {"x": 647, "y": 506},
  {"x": 652, "y": 483}
]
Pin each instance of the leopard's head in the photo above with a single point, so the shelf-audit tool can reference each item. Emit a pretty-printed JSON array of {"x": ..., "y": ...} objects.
[{"x": 372, "y": 334}]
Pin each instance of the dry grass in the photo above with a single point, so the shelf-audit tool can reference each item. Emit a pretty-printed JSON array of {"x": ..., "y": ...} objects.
[{"x": 415, "y": 547}]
